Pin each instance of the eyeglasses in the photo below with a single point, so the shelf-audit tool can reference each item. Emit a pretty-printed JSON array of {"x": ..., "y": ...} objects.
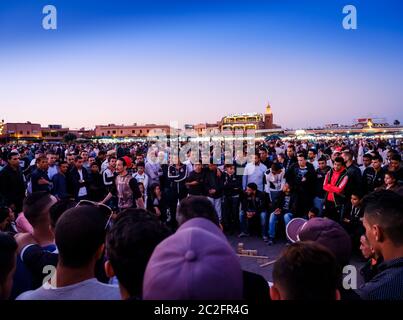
[{"x": 107, "y": 210}]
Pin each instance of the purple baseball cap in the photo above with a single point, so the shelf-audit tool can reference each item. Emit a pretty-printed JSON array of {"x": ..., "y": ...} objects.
[
  {"x": 324, "y": 231},
  {"x": 195, "y": 263}
]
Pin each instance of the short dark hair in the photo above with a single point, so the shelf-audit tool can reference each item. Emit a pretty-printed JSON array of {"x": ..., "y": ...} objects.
[
  {"x": 8, "y": 249},
  {"x": 62, "y": 162},
  {"x": 140, "y": 164},
  {"x": 377, "y": 157},
  {"x": 301, "y": 155},
  {"x": 368, "y": 156},
  {"x": 129, "y": 245},
  {"x": 110, "y": 158},
  {"x": 292, "y": 147},
  {"x": 124, "y": 161},
  {"x": 339, "y": 160},
  {"x": 322, "y": 158},
  {"x": 314, "y": 210},
  {"x": 307, "y": 271},
  {"x": 79, "y": 234},
  {"x": 34, "y": 206},
  {"x": 78, "y": 158},
  {"x": 396, "y": 157},
  {"x": 313, "y": 150},
  {"x": 12, "y": 154},
  {"x": 58, "y": 209},
  {"x": 41, "y": 158},
  {"x": 276, "y": 166},
  {"x": 349, "y": 154},
  {"x": 252, "y": 186},
  {"x": 196, "y": 207},
  {"x": 385, "y": 208},
  {"x": 102, "y": 153}
]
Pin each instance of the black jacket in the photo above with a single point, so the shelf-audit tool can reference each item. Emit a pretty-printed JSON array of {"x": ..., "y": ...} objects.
[
  {"x": 74, "y": 178},
  {"x": 12, "y": 187},
  {"x": 212, "y": 181},
  {"x": 232, "y": 185},
  {"x": 372, "y": 179},
  {"x": 294, "y": 178},
  {"x": 281, "y": 203},
  {"x": 258, "y": 204}
]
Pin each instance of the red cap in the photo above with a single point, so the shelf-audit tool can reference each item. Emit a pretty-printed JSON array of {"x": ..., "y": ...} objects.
[{"x": 128, "y": 161}]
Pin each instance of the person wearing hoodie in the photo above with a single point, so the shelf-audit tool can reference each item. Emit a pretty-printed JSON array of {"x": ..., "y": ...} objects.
[{"x": 334, "y": 185}]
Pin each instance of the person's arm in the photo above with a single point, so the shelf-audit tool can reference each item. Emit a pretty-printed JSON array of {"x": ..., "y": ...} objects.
[
  {"x": 336, "y": 189},
  {"x": 136, "y": 193},
  {"x": 245, "y": 178}
]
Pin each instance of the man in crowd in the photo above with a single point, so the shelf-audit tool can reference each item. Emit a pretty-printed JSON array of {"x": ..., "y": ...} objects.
[
  {"x": 129, "y": 245},
  {"x": 39, "y": 179},
  {"x": 373, "y": 177},
  {"x": 213, "y": 183},
  {"x": 383, "y": 222},
  {"x": 80, "y": 235},
  {"x": 366, "y": 162},
  {"x": 264, "y": 157},
  {"x": 290, "y": 157},
  {"x": 335, "y": 183},
  {"x": 254, "y": 173},
  {"x": 320, "y": 172},
  {"x": 78, "y": 180},
  {"x": 12, "y": 185},
  {"x": 52, "y": 167},
  {"x": 59, "y": 181},
  {"x": 253, "y": 208},
  {"x": 312, "y": 158},
  {"x": 195, "y": 180},
  {"x": 232, "y": 189},
  {"x": 141, "y": 176}
]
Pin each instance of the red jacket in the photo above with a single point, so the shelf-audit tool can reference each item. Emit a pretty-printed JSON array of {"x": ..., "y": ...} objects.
[{"x": 333, "y": 187}]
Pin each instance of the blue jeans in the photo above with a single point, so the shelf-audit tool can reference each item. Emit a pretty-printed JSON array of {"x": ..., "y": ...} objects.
[
  {"x": 318, "y": 203},
  {"x": 244, "y": 221},
  {"x": 273, "y": 222}
]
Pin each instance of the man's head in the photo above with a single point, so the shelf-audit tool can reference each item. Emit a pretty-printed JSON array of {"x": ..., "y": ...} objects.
[
  {"x": 347, "y": 156},
  {"x": 8, "y": 256},
  {"x": 311, "y": 154},
  {"x": 139, "y": 158},
  {"x": 212, "y": 167},
  {"x": 198, "y": 166},
  {"x": 383, "y": 221},
  {"x": 6, "y": 216},
  {"x": 112, "y": 162},
  {"x": 63, "y": 167},
  {"x": 94, "y": 168},
  {"x": 356, "y": 199},
  {"x": 338, "y": 164},
  {"x": 84, "y": 155},
  {"x": 275, "y": 168},
  {"x": 42, "y": 163},
  {"x": 263, "y": 154},
  {"x": 251, "y": 189},
  {"x": 305, "y": 271},
  {"x": 80, "y": 236},
  {"x": 377, "y": 162},
  {"x": 13, "y": 160},
  {"x": 394, "y": 163},
  {"x": 196, "y": 207},
  {"x": 78, "y": 162},
  {"x": 121, "y": 165},
  {"x": 101, "y": 155},
  {"x": 290, "y": 151},
  {"x": 91, "y": 160},
  {"x": 36, "y": 208},
  {"x": 367, "y": 159},
  {"x": 140, "y": 167},
  {"x": 70, "y": 159},
  {"x": 256, "y": 158},
  {"x": 129, "y": 245},
  {"x": 322, "y": 163},
  {"x": 301, "y": 160},
  {"x": 51, "y": 158},
  {"x": 57, "y": 209},
  {"x": 313, "y": 213},
  {"x": 286, "y": 188}
]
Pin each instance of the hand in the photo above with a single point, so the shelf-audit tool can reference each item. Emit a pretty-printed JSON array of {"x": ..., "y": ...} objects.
[
  {"x": 277, "y": 211},
  {"x": 212, "y": 191},
  {"x": 250, "y": 214},
  {"x": 303, "y": 179},
  {"x": 346, "y": 220},
  {"x": 157, "y": 211},
  {"x": 42, "y": 181},
  {"x": 218, "y": 173}
]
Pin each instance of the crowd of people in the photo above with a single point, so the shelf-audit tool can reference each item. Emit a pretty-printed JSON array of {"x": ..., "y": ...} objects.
[{"x": 132, "y": 221}]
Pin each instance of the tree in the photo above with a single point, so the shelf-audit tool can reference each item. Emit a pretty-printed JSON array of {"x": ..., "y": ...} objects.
[
  {"x": 396, "y": 123},
  {"x": 69, "y": 137}
]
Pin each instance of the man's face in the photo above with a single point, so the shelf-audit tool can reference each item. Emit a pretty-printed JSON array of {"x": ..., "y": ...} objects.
[
  {"x": 51, "y": 159},
  {"x": 112, "y": 163},
  {"x": 139, "y": 159},
  {"x": 197, "y": 167},
  {"x": 337, "y": 166},
  {"x": 394, "y": 165},
  {"x": 263, "y": 154},
  {"x": 371, "y": 231},
  {"x": 365, "y": 248},
  {"x": 301, "y": 162},
  {"x": 43, "y": 164},
  {"x": 388, "y": 179},
  {"x": 230, "y": 170},
  {"x": 119, "y": 166},
  {"x": 70, "y": 160},
  {"x": 322, "y": 165},
  {"x": 94, "y": 169},
  {"x": 140, "y": 169},
  {"x": 212, "y": 167},
  {"x": 256, "y": 159},
  {"x": 64, "y": 168},
  {"x": 79, "y": 163},
  {"x": 366, "y": 161},
  {"x": 355, "y": 201},
  {"x": 91, "y": 160},
  {"x": 14, "y": 161},
  {"x": 84, "y": 155},
  {"x": 345, "y": 157},
  {"x": 250, "y": 191},
  {"x": 290, "y": 152},
  {"x": 376, "y": 164},
  {"x": 311, "y": 155}
]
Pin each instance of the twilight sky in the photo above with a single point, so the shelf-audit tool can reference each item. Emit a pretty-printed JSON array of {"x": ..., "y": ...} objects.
[{"x": 194, "y": 61}]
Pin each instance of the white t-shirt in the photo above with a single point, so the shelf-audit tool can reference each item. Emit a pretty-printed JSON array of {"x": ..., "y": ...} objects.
[
  {"x": 83, "y": 190},
  {"x": 90, "y": 289}
]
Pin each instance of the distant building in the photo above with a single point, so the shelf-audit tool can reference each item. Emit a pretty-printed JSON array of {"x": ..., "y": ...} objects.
[
  {"x": 54, "y": 132},
  {"x": 20, "y": 131},
  {"x": 122, "y": 131}
]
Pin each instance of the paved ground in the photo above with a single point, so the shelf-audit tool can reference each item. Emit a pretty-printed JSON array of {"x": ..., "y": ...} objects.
[{"x": 272, "y": 252}]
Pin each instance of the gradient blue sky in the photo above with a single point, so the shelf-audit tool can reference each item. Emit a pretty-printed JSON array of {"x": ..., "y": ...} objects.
[{"x": 193, "y": 61}]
